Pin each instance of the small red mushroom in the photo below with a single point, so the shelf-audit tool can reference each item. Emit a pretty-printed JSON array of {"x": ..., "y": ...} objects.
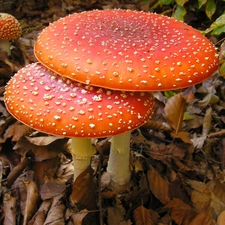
[
  {"x": 10, "y": 29},
  {"x": 56, "y": 105},
  {"x": 127, "y": 50}
]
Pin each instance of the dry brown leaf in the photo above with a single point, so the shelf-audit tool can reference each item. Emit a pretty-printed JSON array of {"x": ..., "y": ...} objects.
[
  {"x": 116, "y": 216},
  {"x": 204, "y": 217},
  {"x": 184, "y": 136},
  {"x": 142, "y": 216},
  {"x": 151, "y": 124},
  {"x": 9, "y": 209},
  {"x": 207, "y": 122},
  {"x": 209, "y": 99},
  {"x": 78, "y": 217},
  {"x": 43, "y": 140},
  {"x": 221, "y": 218},
  {"x": 217, "y": 188},
  {"x": 84, "y": 190},
  {"x": 16, "y": 131},
  {"x": 16, "y": 171},
  {"x": 174, "y": 111},
  {"x": 42, "y": 152},
  {"x": 31, "y": 201},
  {"x": 45, "y": 170},
  {"x": 50, "y": 189},
  {"x": 158, "y": 186},
  {"x": 202, "y": 195},
  {"x": 181, "y": 213},
  {"x": 56, "y": 214},
  {"x": 40, "y": 215}
]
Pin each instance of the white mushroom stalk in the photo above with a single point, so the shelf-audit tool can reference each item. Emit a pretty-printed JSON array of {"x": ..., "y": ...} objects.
[
  {"x": 82, "y": 151},
  {"x": 119, "y": 161}
]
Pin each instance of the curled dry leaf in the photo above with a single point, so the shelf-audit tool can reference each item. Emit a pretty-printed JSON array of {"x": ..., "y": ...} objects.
[
  {"x": 158, "y": 186},
  {"x": 31, "y": 201},
  {"x": 16, "y": 131},
  {"x": 174, "y": 111},
  {"x": 40, "y": 215},
  {"x": 221, "y": 218},
  {"x": 209, "y": 99},
  {"x": 142, "y": 216},
  {"x": 151, "y": 124},
  {"x": 56, "y": 214},
  {"x": 207, "y": 122},
  {"x": 84, "y": 190},
  {"x": 78, "y": 217},
  {"x": 16, "y": 171},
  {"x": 9, "y": 209}
]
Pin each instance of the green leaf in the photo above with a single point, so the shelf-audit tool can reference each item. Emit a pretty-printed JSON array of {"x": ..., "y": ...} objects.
[
  {"x": 218, "y": 24},
  {"x": 222, "y": 69},
  {"x": 181, "y": 2},
  {"x": 210, "y": 8},
  {"x": 166, "y": 2},
  {"x": 179, "y": 13},
  {"x": 169, "y": 94},
  {"x": 201, "y": 3},
  {"x": 219, "y": 30}
]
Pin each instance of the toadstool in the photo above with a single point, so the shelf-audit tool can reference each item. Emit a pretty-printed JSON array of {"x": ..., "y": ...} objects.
[
  {"x": 135, "y": 51},
  {"x": 56, "y": 105},
  {"x": 10, "y": 29}
]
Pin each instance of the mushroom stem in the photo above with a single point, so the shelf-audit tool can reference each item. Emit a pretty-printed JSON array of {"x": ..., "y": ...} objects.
[
  {"x": 82, "y": 151},
  {"x": 5, "y": 46},
  {"x": 119, "y": 160}
]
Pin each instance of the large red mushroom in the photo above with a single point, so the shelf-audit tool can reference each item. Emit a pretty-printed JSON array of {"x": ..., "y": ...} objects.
[
  {"x": 56, "y": 105},
  {"x": 127, "y": 50}
]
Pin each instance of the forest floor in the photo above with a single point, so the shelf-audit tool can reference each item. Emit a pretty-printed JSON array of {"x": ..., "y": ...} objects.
[{"x": 174, "y": 181}]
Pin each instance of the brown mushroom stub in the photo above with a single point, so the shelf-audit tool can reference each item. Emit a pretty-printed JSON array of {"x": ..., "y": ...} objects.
[
  {"x": 56, "y": 105},
  {"x": 10, "y": 29},
  {"x": 127, "y": 50}
]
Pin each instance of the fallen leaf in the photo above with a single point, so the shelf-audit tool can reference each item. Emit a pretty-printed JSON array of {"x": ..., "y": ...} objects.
[
  {"x": 181, "y": 213},
  {"x": 41, "y": 214},
  {"x": 84, "y": 190},
  {"x": 16, "y": 171},
  {"x": 142, "y": 216},
  {"x": 78, "y": 217},
  {"x": 174, "y": 111},
  {"x": 9, "y": 209},
  {"x": 158, "y": 186},
  {"x": 56, "y": 213},
  {"x": 31, "y": 201},
  {"x": 221, "y": 218},
  {"x": 204, "y": 217}
]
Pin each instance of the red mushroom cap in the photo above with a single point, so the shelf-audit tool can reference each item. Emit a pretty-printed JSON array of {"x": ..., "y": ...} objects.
[
  {"x": 10, "y": 28},
  {"x": 127, "y": 50},
  {"x": 52, "y": 104}
]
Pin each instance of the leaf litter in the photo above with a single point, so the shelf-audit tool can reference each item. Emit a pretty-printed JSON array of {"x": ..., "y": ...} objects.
[{"x": 177, "y": 158}]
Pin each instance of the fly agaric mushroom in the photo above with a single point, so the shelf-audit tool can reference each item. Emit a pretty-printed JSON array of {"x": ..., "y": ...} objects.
[
  {"x": 10, "y": 29},
  {"x": 56, "y": 105},
  {"x": 135, "y": 51}
]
